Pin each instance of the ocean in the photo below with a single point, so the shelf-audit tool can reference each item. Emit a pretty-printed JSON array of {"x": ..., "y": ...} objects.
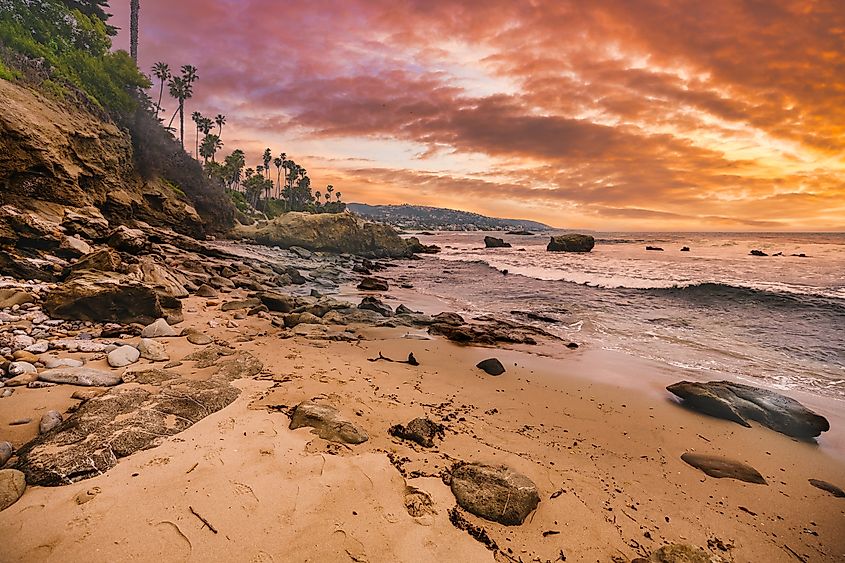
[{"x": 776, "y": 321}]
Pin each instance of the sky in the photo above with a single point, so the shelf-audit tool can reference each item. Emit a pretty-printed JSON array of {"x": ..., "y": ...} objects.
[{"x": 607, "y": 115}]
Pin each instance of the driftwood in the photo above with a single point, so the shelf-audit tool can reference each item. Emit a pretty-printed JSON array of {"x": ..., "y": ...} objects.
[
  {"x": 203, "y": 520},
  {"x": 410, "y": 361}
]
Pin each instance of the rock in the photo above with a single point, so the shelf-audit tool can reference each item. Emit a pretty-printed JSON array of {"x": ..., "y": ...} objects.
[
  {"x": 757, "y": 253},
  {"x": 823, "y": 485},
  {"x": 49, "y": 420},
  {"x": 22, "y": 379},
  {"x": 418, "y": 503},
  {"x": 352, "y": 316},
  {"x": 492, "y": 366},
  {"x": 82, "y": 376},
  {"x": 240, "y": 304},
  {"x": 72, "y": 247},
  {"x": 721, "y": 467},
  {"x": 678, "y": 553},
  {"x": 416, "y": 247},
  {"x": 328, "y": 232},
  {"x": 495, "y": 493},
  {"x": 10, "y": 297},
  {"x": 39, "y": 347},
  {"x": 159, "y": 329},
  {"x": 199, "y": 339},
  {"x": 51, "y": 363},
  {"x": 208, "y": 356},
  {"x": 123, "y": 356},
  {"x": 104, "y": 297},
  {"x": 166, "y": 281},
  {"x": 131, "y": 241},
  {"x": 294, "y": 319},
  {"x": 12, "y": 487},
  {"x": 20, "y": 368},
  {"x": 87, "y": 394},
  {"x": 87, "y": 222},
  {"x": 22, "y": 341},
  {"x": 279, "y": 302},
  {"x": 449, "y": 318},
  {"x": 654, "y": 248},
  {"x": 375, "y": 304},
  {"x": 22, "y": 229},
  {"x": 685, "y": 249},
  {"x": 420, "y": 430},
  {"x": 19, "y": 421},
  {"x": 740, "y": 403},
  {"x": 301, "y": 252},
  {"x": 493, "y": 242},
  {"x": 373, "y": 284},
  {"x": 24, "y": 356},
  {"x": 206, "y": 290},
  {"x": 327, "y": 423},
  {"x": 103, "y": 260},
  {"x": 6, "y": 451},
  {"x": 571, "y": 243},
  {"x": 153, "y": 350}
]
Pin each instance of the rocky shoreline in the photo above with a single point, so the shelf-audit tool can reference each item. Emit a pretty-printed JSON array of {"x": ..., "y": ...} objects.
[{"x": 130, "y": 341}]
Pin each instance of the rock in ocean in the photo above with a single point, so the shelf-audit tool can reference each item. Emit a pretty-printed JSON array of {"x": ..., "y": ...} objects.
[{"x": 571, "y": 243}]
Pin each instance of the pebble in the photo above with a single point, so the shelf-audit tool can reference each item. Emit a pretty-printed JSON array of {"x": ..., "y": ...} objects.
[
  {"x": 22, "y": 341},
  {"x": 6, "y": 393},
  {"x": 158, "y": 329},
  {"x": 123, "y": 356},
  {"x": 49, "y": 420}
]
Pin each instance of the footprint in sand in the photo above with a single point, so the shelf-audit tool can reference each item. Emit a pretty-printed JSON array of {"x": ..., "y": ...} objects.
[
  {"x": 354, "y": 549},
  {"x": 87, "y": 495}
]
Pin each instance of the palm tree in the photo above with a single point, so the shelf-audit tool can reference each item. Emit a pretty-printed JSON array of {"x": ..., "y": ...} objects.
[
  {"x": 134, "y": 8},
  {"x": 181, "y": 90},
  {"x": 267, "y": 158},
  {"x": 162, "y": 72},
  {"x": 337, "y": 196},
  {"x": 189, "y": 73},
  {"x": 197, "y": 117},
  {"x": 318, "y": 195},
  {"x": 210, "y": 145},
  {"x": 277, "y": 162},
  {"x": 220, "y": 120}
]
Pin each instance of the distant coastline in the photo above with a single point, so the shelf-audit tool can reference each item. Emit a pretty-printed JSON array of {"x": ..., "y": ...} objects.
[{"x": 421, "y": 217}]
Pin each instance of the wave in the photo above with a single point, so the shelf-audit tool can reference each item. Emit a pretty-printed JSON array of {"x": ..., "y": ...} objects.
[{"x": 747, "y": 295}]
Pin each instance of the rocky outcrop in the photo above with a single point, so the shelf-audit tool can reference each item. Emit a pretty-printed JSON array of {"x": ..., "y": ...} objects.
[
  {"x": 571, "y": 243},
  {"x": 493, "y": 242},
  {"x": 416, "y": 247},
  {"x": 741, "y": 403},
  {"x": 329, "y": 232},
  {"x": 494, "y": 492}
]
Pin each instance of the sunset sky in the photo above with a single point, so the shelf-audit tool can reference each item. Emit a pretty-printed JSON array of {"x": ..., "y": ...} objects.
[{"x": 607, "y": 115}]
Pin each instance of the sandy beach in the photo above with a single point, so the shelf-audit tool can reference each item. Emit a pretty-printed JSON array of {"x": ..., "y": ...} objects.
[{"x": 596, "y": 431}]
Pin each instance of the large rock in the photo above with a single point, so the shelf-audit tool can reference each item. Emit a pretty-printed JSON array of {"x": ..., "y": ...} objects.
[
  {"x": 9, "y": 297},
  {"x": 279, "y": 302},
  {"x": 741, "y": 403},
  {"x": 375, "y": 304},
  {"x": 373, "y": 284},
  {"x": 12, "y": 487},
  {"x": 153, "y": 350},
  {"x": 103, "y": 260},
  {"x": 571, "y": 243},
  {"x": 123, "y": 356},
  {"x": 49, "y": 420},
  {"x": 493, "y": 242},
  {"x": 104, "y": 297},
  {"x": 329, "y": 232},
  {"x": 87, "y": 222},
  {"x": 159, "y": 329},
  {"x": 22, "y": 228},
  {"x": 85, "y": 377},
  {"x": 497, "y": 493},
  {"x": 327, "y": 423},
  {"x": 492, "y": 366},
  {"x": 720, "y": 467}
]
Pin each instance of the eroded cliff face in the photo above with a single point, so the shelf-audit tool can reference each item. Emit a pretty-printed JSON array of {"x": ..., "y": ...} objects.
[{"x": 54, "y": 154}]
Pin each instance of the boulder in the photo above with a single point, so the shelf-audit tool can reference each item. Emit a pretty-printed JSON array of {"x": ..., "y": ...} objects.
[
  {"x": 153, "y": 350},
  {"x": 416, "y": 247},
  {"x": 279, "y": 302},
  {"x": 492, "y": 366},
  {"x": 123, "y": 356},
  {"x": 420, "y": 430},
  {"x": 373, "y": 284},
  {"x": 20, "y": 368},
  {"x": 49, "y": 420},
  {"x": 375, "y": 304},
  {"x": 720, "y": 467},
  {"x": 327, "y": 423},
  {"x": 164, "y": 279},
  {"x": 82, "y": 376},
  {"x": 741, "y": 403},
  {"x": 12, "y": 487},
  {"x": 9, "y": 297},
  {"x": 104, "y": 297},
  {"x": 493, "y": 242},
  {"x": 571, "y": 243},
  {"x": 496, "y": 493},
  {"x": 26, "y": 230},
  {"x": 72, "y": 247},
  {"x": 757, "y": 253},
  {"x": 131, "y": 241},
  {"x": 206, "y": 291},
  {"x": 240, "y": 304},
  {"x": 158, "y": 329},
  {"x": 328, "y": 232}
]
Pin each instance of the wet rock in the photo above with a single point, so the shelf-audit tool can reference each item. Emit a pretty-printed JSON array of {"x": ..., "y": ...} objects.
[
  {"x": 207, "y": 291},
  {"x": 654, "y": 248},
  {"x": 685, "y": 249},
  {"x": 373, "y": 284},
  {"x": 153, "y": 350},
  {"x": 104, "y": 297},
  {"x": 823, "y": 485},
  {"x": 10, "y": 297},
  {"x": 496, "y": 493},
  {"x": 6, "y": 451},
  {"x": 123, "y": 356},
  {"x": 420, "y": 430},
  {"x": 416, "y": 247},
  {"x": 741, "y": 403},
  {"x": 240, "y": 304},
  {"x": 757, "y": 253},
  {"x": 493, "y": 242},
  {"x": 720, "y": 467},
  {"x": 51, "y": 363},
  {"x": 12, "y": 487},
  {"x": 327, "y": 423},
  {"x": 571, "y": 243},
  {"x": 158, "y": 329},
  {"x": 82, "y": 376},
  {"x": 491, "y": 366},
  {"x": 375, "y": 304},
  {"x": 199, "y": 339},
  {"x": 49, "y": 420}
]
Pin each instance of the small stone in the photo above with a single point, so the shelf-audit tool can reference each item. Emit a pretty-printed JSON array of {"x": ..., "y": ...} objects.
[
  {"x": 158, "y": 329},
  {"x": 199, "y": 339},
  {"x": 420, "y": 430},
  {"x": 123, "y": 356},
  {"x": 20, "y": 421},
  {"x": 823, "y": 485},
  {"x": 89, "y": 346},
  {"x": 153, "y": 350},
  {"x": 6, "y": 451},
  {"x": 84, "y": 496},
  {"x": 492, "y": 366},
  {"x": 12, "y": 487},
  {"x": 49, "y": 420}
]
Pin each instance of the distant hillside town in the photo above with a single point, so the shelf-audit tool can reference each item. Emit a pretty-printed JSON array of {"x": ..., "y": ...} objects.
[{"x": 421, "y": 217}]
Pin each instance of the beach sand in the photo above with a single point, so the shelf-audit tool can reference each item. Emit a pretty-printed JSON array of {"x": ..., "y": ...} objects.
[{"x": 595, "y": 430}]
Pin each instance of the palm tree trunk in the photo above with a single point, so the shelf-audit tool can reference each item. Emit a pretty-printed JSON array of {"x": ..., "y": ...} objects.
[
  {"x": 197, "y": 154},
  {"x": 160, "y": 94},
  {"x": 134, "y": 8},
  {"x": 182, "y": 123}
]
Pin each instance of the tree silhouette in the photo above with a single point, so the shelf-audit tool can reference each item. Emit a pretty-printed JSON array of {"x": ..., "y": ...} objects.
[
  {"x": 134, "y": 8},
  {"x": 162, "y": 72}
]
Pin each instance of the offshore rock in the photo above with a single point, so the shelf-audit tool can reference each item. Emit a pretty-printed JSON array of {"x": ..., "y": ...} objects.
[
  {"x": 571, "y": 243},
  {"x": 493, "y": 242}
]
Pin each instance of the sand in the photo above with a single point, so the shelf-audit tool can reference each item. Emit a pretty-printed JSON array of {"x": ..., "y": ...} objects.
[{"x": 595, "y": 430}]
